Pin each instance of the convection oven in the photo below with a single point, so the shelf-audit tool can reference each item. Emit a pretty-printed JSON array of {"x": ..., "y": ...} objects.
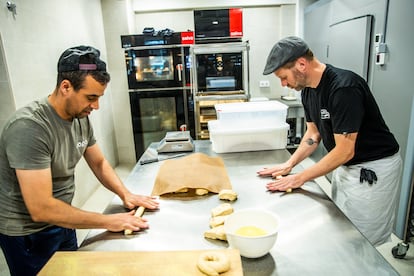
[
  {"x": 158, "y": 73},
  {"x": 219, "y": 74}
]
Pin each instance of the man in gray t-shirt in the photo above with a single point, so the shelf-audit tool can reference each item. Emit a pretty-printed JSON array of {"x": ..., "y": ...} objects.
[{"x": 40, "y": 147}]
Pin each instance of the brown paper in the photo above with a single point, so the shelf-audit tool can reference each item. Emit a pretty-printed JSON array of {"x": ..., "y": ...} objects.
[{"x": 194, "y": 171}]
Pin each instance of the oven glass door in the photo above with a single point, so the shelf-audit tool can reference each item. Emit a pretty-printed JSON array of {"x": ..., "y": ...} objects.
[
  {"x": 155, "y": 113},
  {"x": 219, "y": 72},
  {"x": 157, "y": 67}
]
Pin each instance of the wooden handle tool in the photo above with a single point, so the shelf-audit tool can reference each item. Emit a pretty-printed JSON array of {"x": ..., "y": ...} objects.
[{"x": 138, "y": 213}]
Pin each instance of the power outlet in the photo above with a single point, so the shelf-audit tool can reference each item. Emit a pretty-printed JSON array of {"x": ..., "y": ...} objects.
[{"x": 264, "y": 83}]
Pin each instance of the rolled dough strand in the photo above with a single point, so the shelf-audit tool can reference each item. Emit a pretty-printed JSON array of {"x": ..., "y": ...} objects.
[{"x": 138, "y": 213}]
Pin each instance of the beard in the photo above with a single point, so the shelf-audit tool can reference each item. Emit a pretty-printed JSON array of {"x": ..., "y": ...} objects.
[
  {"x": 71, "y": 109},
  {"x": 84, "y": 113},
  {"x": 300, "y": 80}
]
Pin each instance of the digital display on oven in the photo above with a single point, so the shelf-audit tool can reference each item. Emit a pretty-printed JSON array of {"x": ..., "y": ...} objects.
[
  {"x": 220, "y": 72},
  {"x": 220, "y": 83}
]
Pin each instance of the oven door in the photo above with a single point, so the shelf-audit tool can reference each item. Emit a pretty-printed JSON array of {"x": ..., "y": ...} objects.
[
  {"x": 154, "y": 113},
  {"x": 220, "y": 69},
  {"x": 157, "y": 67},
  {"x": 219, "y": 72}
]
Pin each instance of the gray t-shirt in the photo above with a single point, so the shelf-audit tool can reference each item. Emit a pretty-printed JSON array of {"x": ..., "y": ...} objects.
[{"x": 35, "y": 137}]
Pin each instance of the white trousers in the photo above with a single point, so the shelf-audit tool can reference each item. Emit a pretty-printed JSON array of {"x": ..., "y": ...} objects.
[{"x": 370, "y": 207}]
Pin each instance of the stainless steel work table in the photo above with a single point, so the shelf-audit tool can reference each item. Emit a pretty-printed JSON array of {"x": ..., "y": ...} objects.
[{"x": 315, "y": 238}]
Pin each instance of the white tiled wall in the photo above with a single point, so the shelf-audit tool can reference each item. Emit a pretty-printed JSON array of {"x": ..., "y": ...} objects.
[
  {"x": 7, "y": 105},
  {"x": 33, "y": 40}
]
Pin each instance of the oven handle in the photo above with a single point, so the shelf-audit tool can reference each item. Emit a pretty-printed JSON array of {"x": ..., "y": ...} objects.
[{"x": 180, "y": 71}]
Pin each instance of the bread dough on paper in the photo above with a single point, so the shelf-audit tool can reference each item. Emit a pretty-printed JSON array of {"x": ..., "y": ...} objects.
[
  {"x": 194, "y": 171},
  {"x": 200, "y": 191}
]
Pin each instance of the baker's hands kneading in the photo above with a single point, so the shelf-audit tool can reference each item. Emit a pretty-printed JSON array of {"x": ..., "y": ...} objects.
[
  {"x": 280, "y": 169},
  {"x": 131, "y": 201},
  {"x": 122, "y": 221},
  {"x": 285, "y": 183}
]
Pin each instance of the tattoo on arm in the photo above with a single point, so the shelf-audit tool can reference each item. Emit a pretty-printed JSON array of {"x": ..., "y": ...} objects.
[{"x": 310, "y": 141}]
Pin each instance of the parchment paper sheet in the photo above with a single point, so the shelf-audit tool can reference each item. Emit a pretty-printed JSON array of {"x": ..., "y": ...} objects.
[{"x": 196, "y": 170}]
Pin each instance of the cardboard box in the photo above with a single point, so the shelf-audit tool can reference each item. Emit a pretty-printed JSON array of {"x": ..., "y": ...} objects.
[{"x": 254, "y": 138}]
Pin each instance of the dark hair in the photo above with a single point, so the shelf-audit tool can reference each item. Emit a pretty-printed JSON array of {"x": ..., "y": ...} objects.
[
  {"x": 77, "y": 78},
  {"x": 308, "y": 56}
]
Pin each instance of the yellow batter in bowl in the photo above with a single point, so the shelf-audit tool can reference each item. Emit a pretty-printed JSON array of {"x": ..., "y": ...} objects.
[{"x": 250, "y": 231}]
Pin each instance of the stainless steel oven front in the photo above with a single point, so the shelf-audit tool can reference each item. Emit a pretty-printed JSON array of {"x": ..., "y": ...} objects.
[{"x": 220, "y": 68}]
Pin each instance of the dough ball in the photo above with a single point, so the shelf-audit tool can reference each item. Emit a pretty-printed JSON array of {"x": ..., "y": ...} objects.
[
  {"x": 216, "y": 233},
  {"x": 200, "y": 191},
  {"x": 222, "y": 209},
  {"x": 228, "y": 194},
  {"x": 218, "y": 220},
  {"x": 182, "y": 190}
]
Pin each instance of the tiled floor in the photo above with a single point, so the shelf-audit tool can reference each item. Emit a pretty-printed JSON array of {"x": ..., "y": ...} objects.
[{"x": 101, "y": 197}]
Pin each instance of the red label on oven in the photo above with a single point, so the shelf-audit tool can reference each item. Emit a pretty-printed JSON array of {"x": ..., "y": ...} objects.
[
  {"x": 236, "y": 22},
  {"x": 187, "y": 37}
]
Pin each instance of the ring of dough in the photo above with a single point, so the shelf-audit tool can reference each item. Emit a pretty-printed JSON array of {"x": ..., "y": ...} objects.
[{"x": 213, "y": 263}]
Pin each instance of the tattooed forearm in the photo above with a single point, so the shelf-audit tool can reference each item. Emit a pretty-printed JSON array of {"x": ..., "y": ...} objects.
[{"x": 310, "y": 141}]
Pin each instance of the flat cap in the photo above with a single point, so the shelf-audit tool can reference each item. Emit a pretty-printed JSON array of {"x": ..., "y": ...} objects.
[
  {"x": 285, "y": 50},
  {"x": 81, "y": 58}
]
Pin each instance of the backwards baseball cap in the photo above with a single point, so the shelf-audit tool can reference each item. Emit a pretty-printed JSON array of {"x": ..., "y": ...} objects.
[
  {"x": 285, "y": 50},
  {"x": 81, "y": 58}
]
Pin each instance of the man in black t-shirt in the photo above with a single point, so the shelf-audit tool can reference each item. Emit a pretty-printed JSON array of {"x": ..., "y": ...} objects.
[{"x": 341, "y": 112}]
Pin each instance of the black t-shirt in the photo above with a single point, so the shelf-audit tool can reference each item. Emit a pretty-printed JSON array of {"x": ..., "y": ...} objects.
[{"x": 343, "y": 103}]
